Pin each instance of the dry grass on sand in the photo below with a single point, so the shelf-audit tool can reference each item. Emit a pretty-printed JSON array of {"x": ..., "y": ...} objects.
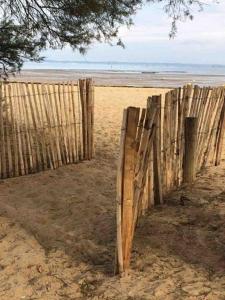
[{"x": 57, "y": 229}]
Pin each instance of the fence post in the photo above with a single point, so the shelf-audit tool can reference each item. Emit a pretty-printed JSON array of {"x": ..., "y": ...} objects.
[
  {"x": 158, "y": 198},
  {"x": 190, "y": 144}
]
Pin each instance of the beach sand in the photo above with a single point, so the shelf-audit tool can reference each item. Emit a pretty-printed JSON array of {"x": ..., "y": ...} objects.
[{"x": 57, "y": 237}]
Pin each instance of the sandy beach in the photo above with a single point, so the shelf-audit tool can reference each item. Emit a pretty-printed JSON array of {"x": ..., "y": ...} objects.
[{"x": 58, "y": 228}]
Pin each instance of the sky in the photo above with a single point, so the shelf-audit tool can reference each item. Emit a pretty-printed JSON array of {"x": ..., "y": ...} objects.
[{"x": 199, "y": 41}]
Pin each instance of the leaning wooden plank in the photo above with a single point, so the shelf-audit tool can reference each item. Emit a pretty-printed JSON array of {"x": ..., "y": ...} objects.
[
  {"x": 128, "y": 184},
  {"x": 119, "y": 198}
]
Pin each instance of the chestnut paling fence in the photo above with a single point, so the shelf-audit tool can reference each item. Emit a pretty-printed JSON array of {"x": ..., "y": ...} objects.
[
  {"x": 162, "y": 146},
  {"x": 44, "y": 125}
]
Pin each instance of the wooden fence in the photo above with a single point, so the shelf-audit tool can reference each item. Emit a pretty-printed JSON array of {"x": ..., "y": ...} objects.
[
  {"x": 44, "y": 126},
  {"x": 152, "y": 153}
]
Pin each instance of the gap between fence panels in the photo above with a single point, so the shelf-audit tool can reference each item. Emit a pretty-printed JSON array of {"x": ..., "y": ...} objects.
[
  {"x": 42, "y": 125},
  {"x": 163, "y": 146}
]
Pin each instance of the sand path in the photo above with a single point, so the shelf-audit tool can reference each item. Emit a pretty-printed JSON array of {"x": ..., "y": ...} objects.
[{"x": 57, "y": 232}]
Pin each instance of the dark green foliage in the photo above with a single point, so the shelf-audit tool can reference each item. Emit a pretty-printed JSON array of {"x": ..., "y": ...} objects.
[
  {"x": 17, "y": 44},
  {"x": 28, "y": 26}
]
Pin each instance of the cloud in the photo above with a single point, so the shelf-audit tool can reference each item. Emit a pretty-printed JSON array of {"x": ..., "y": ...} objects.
[
  {"x": 207, "y": 26},
  {"x": 199, "y": 41}
]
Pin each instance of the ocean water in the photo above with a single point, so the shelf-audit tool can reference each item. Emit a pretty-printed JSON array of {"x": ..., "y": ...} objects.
[{"x": 126, "y": 67}]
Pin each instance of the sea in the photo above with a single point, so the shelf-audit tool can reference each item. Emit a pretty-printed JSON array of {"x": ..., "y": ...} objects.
[{"x": 129, "y": 67}]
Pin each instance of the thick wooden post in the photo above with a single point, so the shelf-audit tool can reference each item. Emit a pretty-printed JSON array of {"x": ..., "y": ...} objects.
[
  {"x": 158, "y": 197},
  {"x": 190, "y": 146},
  {"x": 125, "y": 188},
  {"x": 128, "y": 183}
]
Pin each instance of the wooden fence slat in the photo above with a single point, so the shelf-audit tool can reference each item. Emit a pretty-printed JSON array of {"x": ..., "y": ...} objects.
[
  {"x": 28, "y": 142},
  {"x": 82, "y": 86},
  {"x": 15, "y": 99},
  {"x": 15, "y": 154},
  {"x": 39, "y": 128},
  {"x": 71, "y": 124},
  {"x": 142, "y": 164},
  {"x": 76, "y": 120},
  {"x": 221, "y": 136},
  {"x": 2, "y": 137},
  {"x": 158, "y": 199},
  {"x": 119, "y": 200},
  {"x": 90, "y": 117},
  {"x": 49, "y": 130},
  {"x": 67, "y": 127},
  {"x": 208, "y": 158},
  {"x": 22, "y": 128},
  {"x": 128, "y": 177},
  {"x": 34, "y": 132},
  {"x": 7, "y": 126},
  {"x": 59, "y": 121},
  {"x": 55, "y": 123}
]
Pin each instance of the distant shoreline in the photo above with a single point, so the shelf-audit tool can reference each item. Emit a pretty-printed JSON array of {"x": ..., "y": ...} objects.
[{"x": 122, "y": 78}]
